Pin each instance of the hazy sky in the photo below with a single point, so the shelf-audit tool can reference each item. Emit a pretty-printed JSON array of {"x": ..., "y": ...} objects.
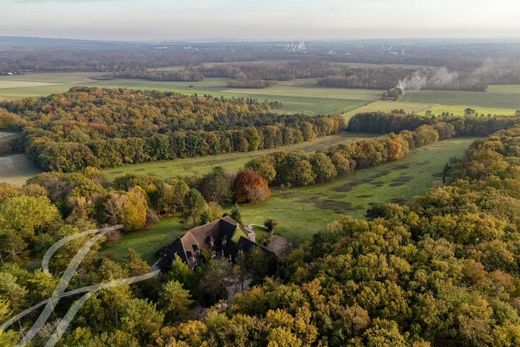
[{"x": 260, "y": 19}]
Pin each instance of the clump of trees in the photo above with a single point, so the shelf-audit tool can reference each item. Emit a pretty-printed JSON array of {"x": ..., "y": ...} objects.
[{"x": 111, "y": 127}]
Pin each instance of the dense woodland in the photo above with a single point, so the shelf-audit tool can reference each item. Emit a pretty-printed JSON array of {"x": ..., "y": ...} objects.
[
  {"x": 441, "y": 270},
  {"x": 110, "y": 127}
]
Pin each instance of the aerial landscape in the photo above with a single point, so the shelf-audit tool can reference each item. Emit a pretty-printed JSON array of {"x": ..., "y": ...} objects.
[{"x": 238, "y": 173}]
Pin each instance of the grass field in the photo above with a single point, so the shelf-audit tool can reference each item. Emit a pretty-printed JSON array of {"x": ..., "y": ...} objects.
[
  {"x": 301, "y": 212},
  {"x": 230, "y": 162},
  {"x": 146, "y": 242},
  {"x": 7, "y": 136},
  {"x": 488, "y": 99}
]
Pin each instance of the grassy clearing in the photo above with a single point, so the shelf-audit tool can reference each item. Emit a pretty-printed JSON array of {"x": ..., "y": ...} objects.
[
  {"x": 301, "y": 212},
  {"x": 145, "y": 242},
  {"x": 388, "y": 106},
  {"x": 16, "y": 169},
  {"x": 504, "y": 88},
  {"x": 230, "y": 162}
]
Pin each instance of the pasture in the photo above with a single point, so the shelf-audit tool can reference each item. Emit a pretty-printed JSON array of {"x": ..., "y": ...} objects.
[
  {"x": 300, "y": 212},
  {"x": 297, "y": 96},
  {"x": 493, "y": 98}
]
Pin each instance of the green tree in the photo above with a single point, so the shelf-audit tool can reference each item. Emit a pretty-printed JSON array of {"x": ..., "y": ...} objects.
[
  {"x": 175, "y": 300},
  {"x": 141, "y": 319},
  {"x": 193, "y": 206},
  {"x": 322, "y": 167}
]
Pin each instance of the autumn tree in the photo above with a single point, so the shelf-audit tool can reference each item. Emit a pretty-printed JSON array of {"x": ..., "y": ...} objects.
[{"x": 250, "y": 187}]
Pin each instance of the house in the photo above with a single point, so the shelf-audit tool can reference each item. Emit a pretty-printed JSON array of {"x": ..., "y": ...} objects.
[{"x": 224, "y": 237}]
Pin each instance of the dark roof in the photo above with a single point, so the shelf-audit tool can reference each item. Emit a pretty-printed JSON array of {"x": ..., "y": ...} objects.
[{"x": 199, "y": 237}]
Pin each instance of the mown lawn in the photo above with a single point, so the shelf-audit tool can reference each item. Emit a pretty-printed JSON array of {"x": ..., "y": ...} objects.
[
  {"x": 301, "y": 212},
  {"x": 145, "y": 242}
]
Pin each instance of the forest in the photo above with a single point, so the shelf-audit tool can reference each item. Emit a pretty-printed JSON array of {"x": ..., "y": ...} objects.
[
  {"x": 439, "y": 270},
  {"x": 111, "y": 127}
]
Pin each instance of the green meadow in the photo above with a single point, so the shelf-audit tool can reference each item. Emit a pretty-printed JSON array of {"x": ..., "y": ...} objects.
[
  {"x": 230, "y": 162},
  {"x": 300, "y": 212}
]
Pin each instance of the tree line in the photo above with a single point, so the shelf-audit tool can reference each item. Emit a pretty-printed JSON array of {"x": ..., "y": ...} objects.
[
  {"x": 111, "y": 127},
  {"x": 384, "y": 123},
  {"x": 264, "y": 74},
  {"x": 300, "y": 169}
]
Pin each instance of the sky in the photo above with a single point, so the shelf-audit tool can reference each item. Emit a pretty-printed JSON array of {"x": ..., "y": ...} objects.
[{"x": 158, "y": 20}]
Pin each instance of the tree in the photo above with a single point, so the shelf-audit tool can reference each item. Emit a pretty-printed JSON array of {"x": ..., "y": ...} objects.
[
  {"x": 270, "y": 224},
  {"x": 141, "y": 319},
  {"x": 216, "y": 276},
  {"x": 235, "y": 213},
  {"x": 134, "y": 208},
  {"x": 180, "y": 272},
  {"x": 216, "y": 186},
  {"x": 175, "y": 300},
  {"x": 322, "y": 167},
  {"x": 263, "y": 166},
  {"x": 250, "y": 187},
  {"x": 193, "y": 206}
]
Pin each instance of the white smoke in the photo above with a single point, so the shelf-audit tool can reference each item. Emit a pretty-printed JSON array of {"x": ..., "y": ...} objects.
[{"x": 428, "y": 78}]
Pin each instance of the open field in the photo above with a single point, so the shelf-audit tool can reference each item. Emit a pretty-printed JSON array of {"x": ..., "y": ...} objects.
[
  {"x": 301, "y": 212},
  {"x": 230, "y": 162},
  {"x": 421, "y": 108},
  {"x": 487, "y": 99},
  {"x": 16, "y": 169}
]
